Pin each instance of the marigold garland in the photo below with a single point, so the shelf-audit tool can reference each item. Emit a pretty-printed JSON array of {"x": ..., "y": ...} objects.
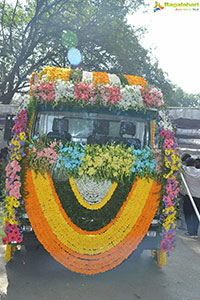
[
  {"x": 78, "y": 229},
  {"x": 84, "y": 263},
  {"x": 92, "y": 243},
  {"x": 87, "y": 205},
  {"x": 100, "y": 78},
  {"x": 53, "y": 73},
  {"x": 30, "y": 125},
  {"x": 136, "y": 80},
  {"x": 152, "y": 133},
  {"x": 8, "y": 252}
]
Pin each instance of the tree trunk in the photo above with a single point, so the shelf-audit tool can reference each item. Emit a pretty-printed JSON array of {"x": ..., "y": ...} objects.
[{"x": 6, "y": 98}]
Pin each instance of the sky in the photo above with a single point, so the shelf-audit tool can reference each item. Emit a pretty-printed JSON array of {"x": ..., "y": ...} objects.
[{"x": 174, "y": 37}]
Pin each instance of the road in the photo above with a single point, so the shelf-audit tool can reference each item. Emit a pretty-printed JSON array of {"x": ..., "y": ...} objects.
[{"x": 36, "y": 276}]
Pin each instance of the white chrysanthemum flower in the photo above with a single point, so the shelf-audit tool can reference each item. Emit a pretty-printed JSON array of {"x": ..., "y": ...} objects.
[
  {"x": 130, "y": 97},
  {"x": 64, "y": 90}
]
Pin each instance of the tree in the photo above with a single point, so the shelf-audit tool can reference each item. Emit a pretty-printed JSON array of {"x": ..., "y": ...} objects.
[
  {"x": 24, "y": 32},
  {"x": 182, "y": 99},
  {"x": 31, "y": 39},
  {"x": 31, "y": 33}
]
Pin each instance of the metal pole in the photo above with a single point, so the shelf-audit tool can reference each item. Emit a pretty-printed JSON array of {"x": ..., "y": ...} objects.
[{"x": 190, "y": 196}]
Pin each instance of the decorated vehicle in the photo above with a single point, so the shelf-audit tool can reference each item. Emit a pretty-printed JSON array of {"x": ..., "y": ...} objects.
[{"x": 93, "y": 167}]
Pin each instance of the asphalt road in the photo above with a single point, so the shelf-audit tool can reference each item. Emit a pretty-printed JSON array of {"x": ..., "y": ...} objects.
[{"x": 36, "y": 276}]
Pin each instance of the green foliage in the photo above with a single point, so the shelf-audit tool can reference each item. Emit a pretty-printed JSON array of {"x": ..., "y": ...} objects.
[
  {"x": 182, "y": 99},
  {"x": 76, "y": 75}
]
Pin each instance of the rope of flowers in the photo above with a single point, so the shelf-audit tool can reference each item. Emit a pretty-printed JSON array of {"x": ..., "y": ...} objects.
[
  {"x": 172, "y": 164},
  {"x": 89, "y": 262},
  {"x": 136, "y": 80},
  {"x": 30, "y": 125},
  {"x": 100, "y": 78},
  {"x": 13, "y": 199},
  {"x": 152, "y": 133},
  {"x": 101, "y": 229},
  {"x": 62, "y": 225},
  {"x": 53, "y": 73}
]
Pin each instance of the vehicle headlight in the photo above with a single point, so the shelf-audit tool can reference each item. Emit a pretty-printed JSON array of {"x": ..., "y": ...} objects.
[
  {"x": 151, "y": 233},
  {"x": 27, "y": 228}
]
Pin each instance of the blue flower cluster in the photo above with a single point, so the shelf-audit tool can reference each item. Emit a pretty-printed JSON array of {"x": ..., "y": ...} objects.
[
  {"x": 69, "y": 159},
  {"x": 144, "y": 162}
]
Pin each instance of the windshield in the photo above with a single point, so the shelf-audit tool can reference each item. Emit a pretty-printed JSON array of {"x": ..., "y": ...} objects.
[{"x": 93, "y": 128}]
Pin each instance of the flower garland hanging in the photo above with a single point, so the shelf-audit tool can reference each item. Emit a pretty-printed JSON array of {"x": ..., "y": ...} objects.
[
  {"x": 171, "y": 167},
  {"x": 89, "y": 252},
  {"x": 12, "y": 189}
]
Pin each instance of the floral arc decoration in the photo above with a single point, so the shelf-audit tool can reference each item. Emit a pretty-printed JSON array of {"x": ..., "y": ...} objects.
[
  {"x": 83, "y": 251},
  {"x": 96, "y": 251}
]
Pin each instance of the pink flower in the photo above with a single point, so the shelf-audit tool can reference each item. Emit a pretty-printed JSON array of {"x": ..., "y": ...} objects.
[
  {"x": 152, "y": 97},
  {"x": 15, "y": 193},
  {"x": 39, "y": 154},
  {"x": 168, "y": 143},
  {"x": 168, "y": 201},
  {"x": 167, "y": 242},
  {"x": 44, "y": 92},
  {"x": 13, "y": 234},
  {"x": 163, "y": 133},
  {"x": 52, "y": 145},
  {"x": 50, "y": 153},
  {"x": 13, "y": 166},
  {"x": 168, "y": 188},
  {"x": 4, "y": 240}
]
